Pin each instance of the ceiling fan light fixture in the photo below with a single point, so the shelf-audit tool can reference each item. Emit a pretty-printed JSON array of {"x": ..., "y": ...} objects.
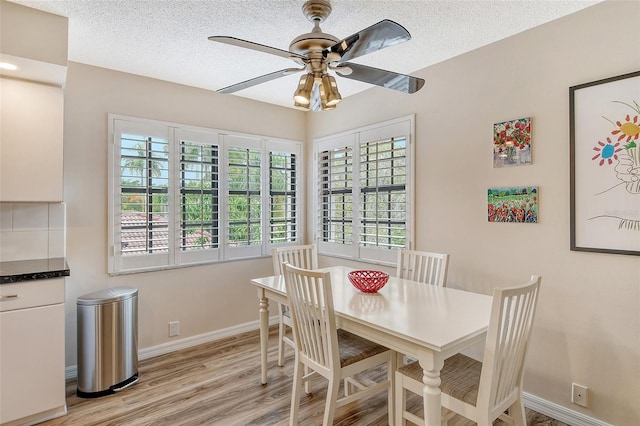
[
  {"x": 332, "y": 95},
  {"x": 302, "y": 95},
  {"x": 301, "y": 106},
  {"x": 323, "y": 99}
]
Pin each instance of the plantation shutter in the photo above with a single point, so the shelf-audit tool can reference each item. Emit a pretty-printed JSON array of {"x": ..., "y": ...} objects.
[
  {"x": 383, "y": 177},
  {"x": 141, "y": 224},
  {"x": 283, "y": 226},
  {"x": 199, "y": 200},
  {"x": 335, "y": 202},
  {"x": 385, "y": 190},
  {"x": 244, "y": 196}
]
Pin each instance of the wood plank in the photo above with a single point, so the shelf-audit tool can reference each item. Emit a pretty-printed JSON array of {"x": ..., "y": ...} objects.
[{"x": 218, "y": 383}]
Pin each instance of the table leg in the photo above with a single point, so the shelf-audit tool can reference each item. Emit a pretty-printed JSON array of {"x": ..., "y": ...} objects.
[
  {"x": 263, "y": 310},
  {"x": 431, "y": 392}
]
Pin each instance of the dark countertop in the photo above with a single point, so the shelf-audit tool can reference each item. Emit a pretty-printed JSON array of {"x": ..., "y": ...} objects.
[{"x": 37, "y": 269}]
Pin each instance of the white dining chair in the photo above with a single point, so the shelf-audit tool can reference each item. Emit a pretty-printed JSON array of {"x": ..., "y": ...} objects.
[
  {"x": 423, "y": 266},
  {"x": 327, "y": 351},
  {"x": 483, "y": 391},
  {"x": 303, "y": 256}
]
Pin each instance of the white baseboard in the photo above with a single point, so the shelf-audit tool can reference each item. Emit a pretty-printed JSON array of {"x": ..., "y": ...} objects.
[
  {"x": 542, "y": 406},
  {"x": 71, "y": 372},
  {"x": 559, "y": 412},
  {"x": 188, "y": 342}
]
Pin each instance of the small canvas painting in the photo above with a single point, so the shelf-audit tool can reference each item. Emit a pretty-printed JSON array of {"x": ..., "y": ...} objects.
[
  {"x": 515, "y": 204},
  {"x": 512, "y": 143}
]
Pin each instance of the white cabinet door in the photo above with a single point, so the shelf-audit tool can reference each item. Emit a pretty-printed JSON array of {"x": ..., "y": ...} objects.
[
  {"x": 31, "y": 361},
  {"x": 32, "y": 117}
]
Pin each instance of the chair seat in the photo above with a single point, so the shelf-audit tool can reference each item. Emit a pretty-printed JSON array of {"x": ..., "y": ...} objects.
[
  {"x": 460, "y": 377},
  {"x": 355, "y": 348}
]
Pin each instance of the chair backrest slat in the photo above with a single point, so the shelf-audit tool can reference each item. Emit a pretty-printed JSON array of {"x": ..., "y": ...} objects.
[
  {"x": 312, "y": 314},
  {"x": 302, "y": 256},
  {"x": 508, "y": 336},
  {"x": 426, "y": 267}
]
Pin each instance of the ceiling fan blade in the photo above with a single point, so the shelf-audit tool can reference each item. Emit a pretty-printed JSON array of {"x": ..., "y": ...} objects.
[
  {"x": 257, "y": 46},
  {"x": 259, "y": 80},
  {"x": 378, "y": 36},
  {"x": 389, "y": 79}
]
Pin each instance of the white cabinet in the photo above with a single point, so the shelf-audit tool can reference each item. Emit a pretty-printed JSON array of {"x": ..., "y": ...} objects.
[
  {"x": 32, "y": 117},
  {"x": 32, "y": 362}
]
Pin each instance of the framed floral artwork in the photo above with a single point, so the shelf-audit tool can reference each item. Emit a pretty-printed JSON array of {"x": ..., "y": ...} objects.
[
  {"x": 512, "y": 143},
  {"x": 513, "y": 204},
  {"x": 605, "y": 165}
]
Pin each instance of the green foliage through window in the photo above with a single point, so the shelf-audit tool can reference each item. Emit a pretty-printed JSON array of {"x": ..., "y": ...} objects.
[{"x": 245, "y": 206}]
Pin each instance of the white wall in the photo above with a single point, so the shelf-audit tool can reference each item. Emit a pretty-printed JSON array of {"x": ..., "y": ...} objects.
[
  {"x": 587, "y": 328},
  {"x": 203, "y": 298}
]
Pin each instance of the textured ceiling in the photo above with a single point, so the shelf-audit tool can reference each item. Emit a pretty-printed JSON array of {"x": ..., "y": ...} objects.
[{"x": 167, "y": 39}]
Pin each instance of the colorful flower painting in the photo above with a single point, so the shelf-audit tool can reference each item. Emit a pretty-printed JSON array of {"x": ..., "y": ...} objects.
[
  {"x": 605, "y": 165},
  {"x": 623, "y": 152},
  {"x": 513, "y": 204},
  {"x": 512, "y": 143}
]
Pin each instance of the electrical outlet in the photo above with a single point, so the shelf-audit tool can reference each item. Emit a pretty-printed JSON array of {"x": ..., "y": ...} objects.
[
  {"x": 579, "y": 394},
  {"x": 174, "y": 328}
]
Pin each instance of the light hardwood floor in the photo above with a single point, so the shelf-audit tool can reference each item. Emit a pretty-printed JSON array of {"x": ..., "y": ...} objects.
[{"x": 218, "y": 383}]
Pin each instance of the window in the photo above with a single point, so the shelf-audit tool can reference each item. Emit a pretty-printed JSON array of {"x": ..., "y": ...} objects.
[
  {"x": 144, "y": 189},
  {"x": 364, "y": 186},
  {"x": 383, "y": 179},
  {"x": 198, "y": 182},
  {"x": 283, "y": 226},
  {"x": 245, "y": 215},
  {"x": 336, "y": 195},
  {"x": 181, "y": 195}
]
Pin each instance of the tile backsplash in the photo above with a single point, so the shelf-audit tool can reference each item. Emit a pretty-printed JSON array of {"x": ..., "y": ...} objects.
[{"x": 31, "y": 231}]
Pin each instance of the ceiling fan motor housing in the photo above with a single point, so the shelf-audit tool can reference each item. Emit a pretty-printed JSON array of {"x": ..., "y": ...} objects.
[
  {"x": 316, "y": 11},
  {"x": 312, "y": 42}
]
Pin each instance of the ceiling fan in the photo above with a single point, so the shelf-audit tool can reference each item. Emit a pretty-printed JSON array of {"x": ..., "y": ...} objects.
[{"x": 318, "y": 53}]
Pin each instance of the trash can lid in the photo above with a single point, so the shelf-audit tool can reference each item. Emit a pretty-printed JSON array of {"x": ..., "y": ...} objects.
[{"x": 109, "y": 295}]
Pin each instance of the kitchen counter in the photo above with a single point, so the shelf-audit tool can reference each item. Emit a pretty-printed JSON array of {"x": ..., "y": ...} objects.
[{"x": 37, "y": 269}]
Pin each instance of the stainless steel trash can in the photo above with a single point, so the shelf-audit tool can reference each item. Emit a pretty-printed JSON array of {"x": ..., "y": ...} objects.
[{"x": 107, "y": 341}]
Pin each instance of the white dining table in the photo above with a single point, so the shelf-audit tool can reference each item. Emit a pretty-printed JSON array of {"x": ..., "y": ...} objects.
[{"x": 427, "y": 322}]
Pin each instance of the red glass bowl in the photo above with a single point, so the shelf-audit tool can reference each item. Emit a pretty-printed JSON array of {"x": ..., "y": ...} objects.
[{"x": 368, "y": 281}]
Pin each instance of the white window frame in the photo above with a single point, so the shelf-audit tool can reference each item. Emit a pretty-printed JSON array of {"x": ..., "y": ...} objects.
[
  {"x": 174, "y": 132},
  {"x": 400, "y": 127}
]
